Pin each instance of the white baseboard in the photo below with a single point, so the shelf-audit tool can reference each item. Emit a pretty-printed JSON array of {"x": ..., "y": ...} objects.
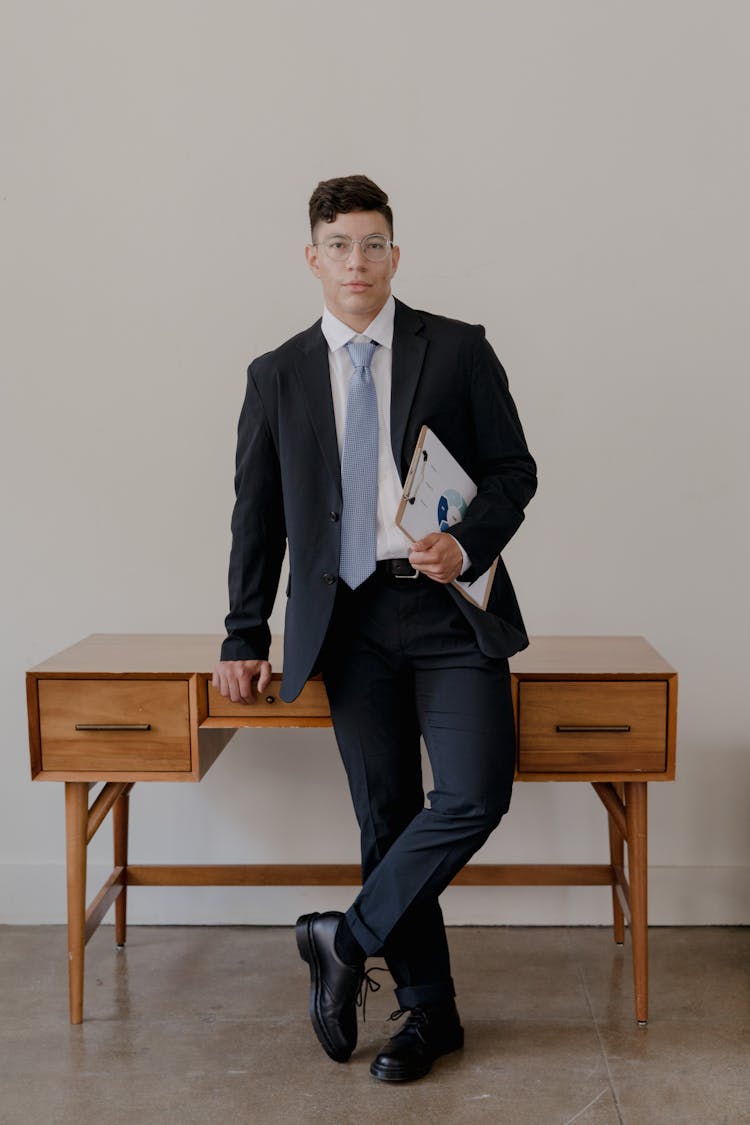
[{"x": 678, "y": 896}]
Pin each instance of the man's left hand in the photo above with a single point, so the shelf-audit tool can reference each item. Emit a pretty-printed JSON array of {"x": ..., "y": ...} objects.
[{"x": 438, "y": 556}]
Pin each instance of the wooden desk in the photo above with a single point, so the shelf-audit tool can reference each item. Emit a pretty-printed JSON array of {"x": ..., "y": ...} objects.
[{"x": 121, "y": 709}]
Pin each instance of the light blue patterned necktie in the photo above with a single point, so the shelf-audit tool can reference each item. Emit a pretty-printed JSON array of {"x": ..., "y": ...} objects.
[{"x": 359, "y": 469}]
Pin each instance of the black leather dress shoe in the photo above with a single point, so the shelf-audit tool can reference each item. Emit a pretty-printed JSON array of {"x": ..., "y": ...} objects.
[
  {"x": 333, "y": 984},
  {"x": 428, "y": 1033}
]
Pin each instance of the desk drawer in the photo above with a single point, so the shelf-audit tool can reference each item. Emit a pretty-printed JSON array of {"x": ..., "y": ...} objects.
[
  {"x": 311, "y": 703},
  {"x": 159, "y": 708},
  {"x": 577, "y": 726}
]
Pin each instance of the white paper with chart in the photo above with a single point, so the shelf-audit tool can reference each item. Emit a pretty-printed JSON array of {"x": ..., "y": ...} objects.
[{"x": 436, "y": 495}]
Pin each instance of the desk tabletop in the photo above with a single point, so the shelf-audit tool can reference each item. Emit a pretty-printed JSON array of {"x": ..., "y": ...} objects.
[{"x": 186, "y": 654}]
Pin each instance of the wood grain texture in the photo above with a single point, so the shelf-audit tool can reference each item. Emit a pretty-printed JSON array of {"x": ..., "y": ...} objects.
[
  {"x": 120, "y": 820},
  {"x": 182, "y": 654},
  {"x": 35, "y": 736},
  {"x": 143, "y": 655},
  {"x": 168, "y": 657},
  {"x": 636, "y": 806},
  {"x": 543, "y": 706},
  {"x": 110, "y": 893},
  {"x": 590, "y": 657},
  {"x": 164, "y": 705},
  {"x": 101, "y": 806},
  {"x": 76, "y": 823},
  {"x": 312, "y": 702},
  {"x": 348, "y": 875},
  {"x": 162, "y": 681},
  {"x": 617, "y": 830}
]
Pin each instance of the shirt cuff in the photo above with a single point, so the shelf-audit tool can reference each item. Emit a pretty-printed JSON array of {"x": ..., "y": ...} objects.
[{"x": 464, "y": 556}]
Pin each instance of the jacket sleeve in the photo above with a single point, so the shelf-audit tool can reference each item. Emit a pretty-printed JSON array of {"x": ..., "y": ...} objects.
[
  {"x": 258, "y": 533},
  {"x": 505, "y": 470}
]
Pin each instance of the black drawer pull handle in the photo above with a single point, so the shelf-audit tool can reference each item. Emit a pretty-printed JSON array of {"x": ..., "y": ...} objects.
[
  {"x": 113, "y": 726},
  {"x": 573, "y": 728},
  {"x": 270, "y": 699}
]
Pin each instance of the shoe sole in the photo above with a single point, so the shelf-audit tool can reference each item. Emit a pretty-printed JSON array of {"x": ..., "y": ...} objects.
[
  {"x": 308, "y": 953},
  {"x": 391, "y": 1074}
]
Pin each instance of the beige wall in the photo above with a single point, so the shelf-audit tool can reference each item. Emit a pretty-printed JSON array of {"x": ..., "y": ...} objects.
[{"x": 573, "y": 175}]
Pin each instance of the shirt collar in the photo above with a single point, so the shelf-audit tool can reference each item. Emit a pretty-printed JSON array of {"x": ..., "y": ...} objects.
[{"x": 380, "y": 330}]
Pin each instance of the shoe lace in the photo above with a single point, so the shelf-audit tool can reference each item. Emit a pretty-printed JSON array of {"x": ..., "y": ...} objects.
[
  {"x": 367, "y": 984},
  {"x": 417, "y": 1020}
]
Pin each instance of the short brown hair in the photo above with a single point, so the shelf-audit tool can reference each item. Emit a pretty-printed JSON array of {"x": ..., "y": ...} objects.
[{"x": 345, "y": 194}]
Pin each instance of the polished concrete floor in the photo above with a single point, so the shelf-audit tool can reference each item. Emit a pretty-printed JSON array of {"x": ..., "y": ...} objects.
[{"x": 207, "y": 1024}]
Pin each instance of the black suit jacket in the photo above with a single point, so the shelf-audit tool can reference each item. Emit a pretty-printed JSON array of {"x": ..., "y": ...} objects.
[{"x": 288, "y": 481}]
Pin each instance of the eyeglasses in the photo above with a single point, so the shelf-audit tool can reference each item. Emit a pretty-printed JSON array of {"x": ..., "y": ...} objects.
[{"x": 339, "y": 246}]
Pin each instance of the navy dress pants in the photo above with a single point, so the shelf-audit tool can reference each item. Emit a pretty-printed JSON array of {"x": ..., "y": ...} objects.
[{"x": 400, "y": 661}]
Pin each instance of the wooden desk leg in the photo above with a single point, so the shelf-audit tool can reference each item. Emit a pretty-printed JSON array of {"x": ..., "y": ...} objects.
[
  {"x": 76, "y": 821},
  {"x": 617, "y": 859},
  {"x": 635, "y": 811},
  {"x": 120, "y": 831}
]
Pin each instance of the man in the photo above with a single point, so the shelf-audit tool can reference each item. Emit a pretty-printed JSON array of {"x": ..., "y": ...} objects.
[{"x": 326, "y": 435}]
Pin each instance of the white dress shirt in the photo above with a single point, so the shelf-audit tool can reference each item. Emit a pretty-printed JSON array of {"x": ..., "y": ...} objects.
[{"x": 391, "y": 543}]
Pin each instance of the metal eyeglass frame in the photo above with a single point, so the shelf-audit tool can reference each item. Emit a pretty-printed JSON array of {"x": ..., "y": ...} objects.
[{"x": 352, "y": 241}]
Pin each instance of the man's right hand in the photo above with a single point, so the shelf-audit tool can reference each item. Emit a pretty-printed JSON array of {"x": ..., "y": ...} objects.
[{"x": 234, "y": 679}]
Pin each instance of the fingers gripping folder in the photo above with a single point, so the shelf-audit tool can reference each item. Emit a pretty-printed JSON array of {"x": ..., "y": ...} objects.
[{"x": 436, "y": 496}]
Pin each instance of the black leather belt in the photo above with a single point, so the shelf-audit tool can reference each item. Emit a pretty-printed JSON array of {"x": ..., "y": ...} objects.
[{"x": 396, "y": 568}]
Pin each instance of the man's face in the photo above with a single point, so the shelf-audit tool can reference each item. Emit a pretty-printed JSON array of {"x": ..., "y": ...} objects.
[{"x": 355, "y": 289}]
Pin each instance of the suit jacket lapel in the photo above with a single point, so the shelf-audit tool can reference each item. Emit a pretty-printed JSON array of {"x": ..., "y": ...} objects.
[
  {"x": 408, "y": 357},
  {"x": 314, "y": 375}
]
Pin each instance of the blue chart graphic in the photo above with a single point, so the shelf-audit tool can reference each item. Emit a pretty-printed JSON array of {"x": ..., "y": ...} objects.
[{"x": 451, "y": 509}]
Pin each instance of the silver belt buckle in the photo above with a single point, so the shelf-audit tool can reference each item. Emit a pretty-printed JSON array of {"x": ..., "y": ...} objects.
[{"x": 408, "y": 577}]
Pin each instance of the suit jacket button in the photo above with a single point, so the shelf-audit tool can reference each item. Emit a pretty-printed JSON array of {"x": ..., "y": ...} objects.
[
  {"x": 329, "y": 579},
  {"x": 333, "y": 517}
]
